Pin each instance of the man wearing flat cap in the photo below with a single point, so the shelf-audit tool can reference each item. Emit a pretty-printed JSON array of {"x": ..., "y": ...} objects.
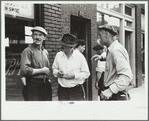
[
  {"x": 35, "y": 68},
  {"x": 71, "y": 69},
  {"x": 118, "y": 73}
]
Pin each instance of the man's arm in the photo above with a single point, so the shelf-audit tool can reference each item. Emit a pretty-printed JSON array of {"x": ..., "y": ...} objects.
[
  {"x": 98, "y": 76},
  {"x": 124, "y": 73},
  {"x": 26, "y": 69},
  {"x": 84, "y": 73},
  {"x": 55, "y": 67}
]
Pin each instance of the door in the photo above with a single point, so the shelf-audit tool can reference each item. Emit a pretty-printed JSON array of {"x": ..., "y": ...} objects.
[{"x": 80, "y": 27}]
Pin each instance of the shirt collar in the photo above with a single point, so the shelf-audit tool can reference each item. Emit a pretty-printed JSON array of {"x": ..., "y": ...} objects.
[
  {"x": 112, "y": 45},
  {"x": 73, "y": 54},
  {"x": 38, "y": 47}
]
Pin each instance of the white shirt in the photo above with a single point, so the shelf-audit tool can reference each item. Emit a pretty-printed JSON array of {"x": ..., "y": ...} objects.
[
  {"x": 100, "y": 66},
  {"x": 75, "y": 64}
]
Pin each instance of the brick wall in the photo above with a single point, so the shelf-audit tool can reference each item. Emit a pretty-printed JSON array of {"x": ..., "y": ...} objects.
[{"x": 52, "y": 23}]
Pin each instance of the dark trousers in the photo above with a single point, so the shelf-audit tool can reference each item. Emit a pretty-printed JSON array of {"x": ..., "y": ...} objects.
[
  {"x": 70, "y": 94},
  {"x": 100, "y": 83},
  {"x": 37, "y": 90}
]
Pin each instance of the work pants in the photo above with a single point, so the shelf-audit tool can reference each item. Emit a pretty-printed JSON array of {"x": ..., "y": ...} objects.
[
  {"x": 71, "y": 94},
  {"x": 37, "y": 90}
]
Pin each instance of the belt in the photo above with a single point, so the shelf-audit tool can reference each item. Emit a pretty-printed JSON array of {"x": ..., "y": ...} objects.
[
  {"x": 37, "y": 79},
  {"x": 70, "y": 87}
]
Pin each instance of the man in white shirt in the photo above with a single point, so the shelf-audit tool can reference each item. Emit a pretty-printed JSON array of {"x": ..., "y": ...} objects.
[{"x": 71, "y": 69}]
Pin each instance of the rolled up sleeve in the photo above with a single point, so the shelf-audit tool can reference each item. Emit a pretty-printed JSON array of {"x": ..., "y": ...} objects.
[
  {"x": 26, "y": 70},
  {"x": 84, "y": 71},
  {"x": 55, "y": 67}
]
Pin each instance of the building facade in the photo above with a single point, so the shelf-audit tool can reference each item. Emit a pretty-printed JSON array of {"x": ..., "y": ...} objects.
[{"x": 80, "y": 20}]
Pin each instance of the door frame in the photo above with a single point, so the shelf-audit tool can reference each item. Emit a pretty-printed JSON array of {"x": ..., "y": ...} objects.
[{"x": 87, "y": 52}]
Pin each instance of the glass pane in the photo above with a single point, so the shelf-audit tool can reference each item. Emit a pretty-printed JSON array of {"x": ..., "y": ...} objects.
[
  {"x": 142, "y": 22},
  {"x": 128, "y": 11},
  {"x": 110, "y": 6}
]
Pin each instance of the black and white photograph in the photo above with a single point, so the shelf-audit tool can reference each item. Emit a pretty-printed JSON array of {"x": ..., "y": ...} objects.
[{"x": 74, "y": 60}]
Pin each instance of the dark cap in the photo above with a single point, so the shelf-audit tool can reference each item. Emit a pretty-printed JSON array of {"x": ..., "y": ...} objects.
[
  {"x": 40, "y": 29},
  {"x": 98, "y": 47},
  {"x": 108, "y": 28},
  {"x": 69, "y": 40}
]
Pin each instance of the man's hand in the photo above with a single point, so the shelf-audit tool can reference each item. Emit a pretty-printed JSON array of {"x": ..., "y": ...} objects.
[
  {"x": 96, "y": 57},
  {"x": 46, "y": 70},
  {"x": 106, "y": 94},
  {"x": 69, "y": 76},
  {"x": 60, "y": 74}
]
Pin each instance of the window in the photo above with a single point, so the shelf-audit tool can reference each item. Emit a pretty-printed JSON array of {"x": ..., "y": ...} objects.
[
  {"x": 111, "y": 6},
  {"x": 128, "y": 23},
  {"x": 128, "y": 11}
]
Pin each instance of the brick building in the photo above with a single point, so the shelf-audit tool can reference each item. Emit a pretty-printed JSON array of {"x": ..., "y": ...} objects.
[{"x": 80, "y": 20}]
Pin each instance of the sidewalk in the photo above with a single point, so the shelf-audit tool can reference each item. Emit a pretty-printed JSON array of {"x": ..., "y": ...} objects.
[{"x": 138, "y": 94}]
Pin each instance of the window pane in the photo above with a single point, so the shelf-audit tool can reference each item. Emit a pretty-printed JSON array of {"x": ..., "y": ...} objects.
[
  {"x": 128, "y": 11},
  {"x": 111, "y": 6}
]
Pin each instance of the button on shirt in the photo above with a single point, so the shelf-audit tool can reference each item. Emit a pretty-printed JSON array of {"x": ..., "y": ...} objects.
[
  {"x": 33, "y": 58},
  {"x": 75, "y": 64},
  {"x": 118, "y": 74}
]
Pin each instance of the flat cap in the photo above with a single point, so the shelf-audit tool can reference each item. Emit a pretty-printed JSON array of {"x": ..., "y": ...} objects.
[
  {"x": 108, "y": 28},
  {"x": 69, "y": 40},
  {"x": 98, "y": 47},
  {"x": 40, "y": 29}
]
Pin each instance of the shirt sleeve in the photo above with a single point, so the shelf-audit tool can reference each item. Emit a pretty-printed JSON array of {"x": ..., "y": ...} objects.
[
  {"x": 123, "y": 69},
  {"x": 55, "y": 66},
  {"x": 26, "y": 69},
  {"x": 84, "y": 70}
]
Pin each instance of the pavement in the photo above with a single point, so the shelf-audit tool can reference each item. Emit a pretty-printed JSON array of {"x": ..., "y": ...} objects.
[{"x": 139, "y": 93}]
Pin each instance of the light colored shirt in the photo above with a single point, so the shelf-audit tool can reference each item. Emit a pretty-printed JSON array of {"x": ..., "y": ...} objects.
[
  {"x": 33, "y": 58},
  {"x": 100, "y": 66},
  {"x": 75, "y": 64},
  {"x": 118, "y": 73}
]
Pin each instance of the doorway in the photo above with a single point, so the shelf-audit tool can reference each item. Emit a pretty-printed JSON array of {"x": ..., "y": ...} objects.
[{"x": 80, "y": 27}]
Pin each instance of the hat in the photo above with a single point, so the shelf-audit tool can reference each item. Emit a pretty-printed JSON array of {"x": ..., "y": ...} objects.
[
  {"x": 69, "y": 40},
  {"x": 40, "y": 29},
  {"x": 108, "y": 28},
  {"x": 98, "y": 47}
]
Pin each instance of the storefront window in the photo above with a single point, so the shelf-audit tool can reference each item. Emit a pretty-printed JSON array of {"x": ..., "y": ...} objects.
[
  {"x": 18, "y": 20},
  {"x": 15, "y": 34},
  {"x": 111, "y": 6}
]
